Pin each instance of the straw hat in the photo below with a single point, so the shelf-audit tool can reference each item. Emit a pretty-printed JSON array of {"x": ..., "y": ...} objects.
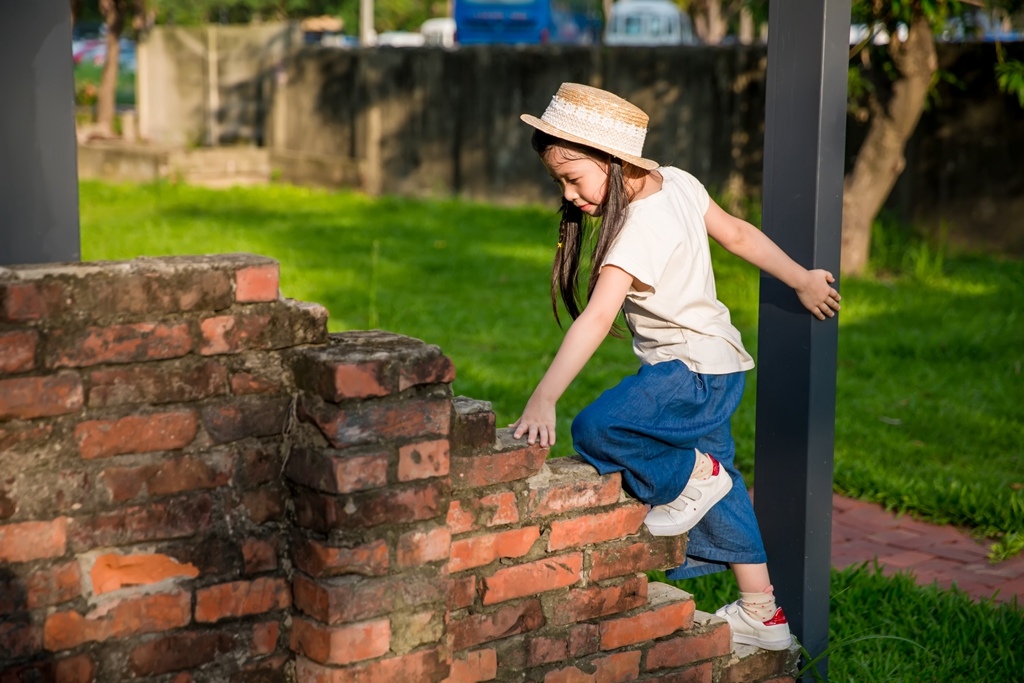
[{"x": 598, "y": 119}]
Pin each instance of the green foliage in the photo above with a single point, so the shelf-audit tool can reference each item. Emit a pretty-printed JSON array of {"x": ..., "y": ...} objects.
[
  {"x": 388, "y": 14},
  {"x": 885, "y": 628},
  {"x": 1010, "y": 76},
  {"x": 929, "y": 418}
]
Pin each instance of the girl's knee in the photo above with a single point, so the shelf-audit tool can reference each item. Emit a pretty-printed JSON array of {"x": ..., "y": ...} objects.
[{"x": 588, "y": 430}]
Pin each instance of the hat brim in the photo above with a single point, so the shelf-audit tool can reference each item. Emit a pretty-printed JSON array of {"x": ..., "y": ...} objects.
[{"x": 647, "y": 164}]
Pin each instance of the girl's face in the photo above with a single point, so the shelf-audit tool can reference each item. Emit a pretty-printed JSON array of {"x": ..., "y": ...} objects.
[{"x": 582, "y": 179}]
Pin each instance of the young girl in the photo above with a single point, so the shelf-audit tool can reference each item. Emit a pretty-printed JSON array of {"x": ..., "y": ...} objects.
[{"x": 666, "y": 428}]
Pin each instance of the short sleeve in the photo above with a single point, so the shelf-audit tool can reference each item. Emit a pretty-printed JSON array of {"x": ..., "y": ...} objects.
[
  {"x": 696, "y": 191},
  {"x": 646, "y": 245}
]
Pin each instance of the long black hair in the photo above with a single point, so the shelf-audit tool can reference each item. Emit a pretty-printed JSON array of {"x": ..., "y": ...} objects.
[{"x": 573, "y": 231}]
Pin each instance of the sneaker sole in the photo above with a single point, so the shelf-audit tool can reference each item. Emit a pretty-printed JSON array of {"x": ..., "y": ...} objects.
[
  {"x": 774, "y": 645},
  {"x": 680, "y": 529}
]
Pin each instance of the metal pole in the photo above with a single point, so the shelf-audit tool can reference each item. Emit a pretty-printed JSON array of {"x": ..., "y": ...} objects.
[
  {"x": 38, "y": 154},
  {"x": 805, "y": 123}
]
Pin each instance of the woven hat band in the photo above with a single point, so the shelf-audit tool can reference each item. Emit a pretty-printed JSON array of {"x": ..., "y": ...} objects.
[{"x": 590, "y": 124}]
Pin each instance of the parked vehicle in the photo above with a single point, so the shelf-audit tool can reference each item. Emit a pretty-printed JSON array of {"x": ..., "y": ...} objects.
[
  {"x": 649, "y": 22},
  {"x": 95, "y": 52},
  {"x": 439, "y": 32},
  {"x": 527, "y": 21}
]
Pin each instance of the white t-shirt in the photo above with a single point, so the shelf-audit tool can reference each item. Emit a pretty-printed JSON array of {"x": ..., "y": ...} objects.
[{"x": 664, "y": 244}]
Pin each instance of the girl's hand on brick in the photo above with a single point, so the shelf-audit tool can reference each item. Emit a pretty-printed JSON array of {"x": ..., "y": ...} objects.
[
  {"x": 817, "y": 294},
  {"x": 537, "y": 423}
]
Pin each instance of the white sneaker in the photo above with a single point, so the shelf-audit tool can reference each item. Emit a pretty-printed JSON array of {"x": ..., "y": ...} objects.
[
  {"x": 683, "y": 513},
  {"x": 768, "y": 635}
]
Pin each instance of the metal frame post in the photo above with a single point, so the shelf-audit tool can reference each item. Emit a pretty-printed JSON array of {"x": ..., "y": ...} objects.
[
  {"x": 38, "y": 151},
  {"x": 805, "y": 122}
]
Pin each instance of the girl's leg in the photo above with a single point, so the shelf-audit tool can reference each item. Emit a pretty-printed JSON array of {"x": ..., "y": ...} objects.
[
  {"x": 751, "y": 578},
  {"x": 648, "y": 426},
  {"x": 755, "y": 619}
]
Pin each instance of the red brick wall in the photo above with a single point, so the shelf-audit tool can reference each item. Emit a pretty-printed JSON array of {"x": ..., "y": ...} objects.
[{"x": 197, "y": 483}]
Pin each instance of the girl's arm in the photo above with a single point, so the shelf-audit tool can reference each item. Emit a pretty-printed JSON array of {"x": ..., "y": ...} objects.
[
  {"x": 813, "y": 287},
  {"x": 583, "y": 337}
]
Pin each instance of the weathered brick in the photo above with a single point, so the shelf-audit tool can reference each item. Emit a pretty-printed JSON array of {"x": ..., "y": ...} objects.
[
  {"x": 473, "y": 512},
  {"x": 341, "y": 644},
  {"x": 544, "y": 650},
  {"x": 111, "y": 572},
  {"x": 426, "y": 370},
  {"x": 508, "y": 620},
  {"x": 245, "y": 382},
  {"x": 338, "y": 471},
  {"x": 702, "y": 673},
  {"x": 373, "y": 421},
  {"x": 338, "y": 380},
  {"x": 259, "y": 555},
  {"x": 568, "y": 484},
  {"x": 241, "y": 598},
  {"x": 690, "y": 648},
  {"x": 758, "y": 666},
  {"x": 584, "y": 639},
  {"x": 317, "y": 559},
  {"x": 478, "y": 551},
  {"x": 596, "y": 528},
  {"x": 669, "y": 610},
  {"x": 472, "y": 426},
  {"x": 422, "y": 546},
  {"x": 461, "y": 591},
  {"x": 130, "y": 343},
  {"x": 174, "y": 518},
  {"x": 27, "y": 301},
  {"x": 614, "y": 668},
  {"x": 412, "y": 630},
  {"x": 663, "y": 552},
  {"x": 423, "y": 460},
  {"x": 40, "y": 587},
  {"x": 542, "y": 575},
  {"x": 76, "y": 669},
  {"x": 176, "y": 651},
  {"x": 260, "y": 464},
  {"x": 424, "y": 666},
  {"x": 171, "y": 475},
  {"x": 173, "y": 381},
  {"x": 18, "y": 351},
  {"x": 474, "y": 667},
  {"x": 352, "y": 598},
  {"x": 30, "y": 397},
  {"x": 412, "y": 503},
  {"x": 241, "y": 418},
  {"x": 367, "y": 364},
  {"x": 265, "y": 636},
  {"x": 263, "y": 505},
  {"x": 29, "y": 541},
  {"x": 593, "y": 601},
  {"x": 514, "y": 461},
  {"x": 127, "y": 617},
  {"x": 136, "y": 434},
  {"x": 234, "y": 333},
  {"x": 19, "y": 639},
  {"x": 257, "y": 283}
]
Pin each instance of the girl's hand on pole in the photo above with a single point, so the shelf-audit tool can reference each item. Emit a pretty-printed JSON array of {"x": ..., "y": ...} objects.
[
  {"x": 817, "y": 294},
  {"x": 537, "y": 423}
]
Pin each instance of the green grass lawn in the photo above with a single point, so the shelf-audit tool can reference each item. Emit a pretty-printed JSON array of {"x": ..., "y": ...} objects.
[{"x": 929, "y": 407}]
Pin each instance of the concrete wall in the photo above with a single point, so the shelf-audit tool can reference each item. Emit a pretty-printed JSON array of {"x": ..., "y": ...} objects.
[
  {"x": 429, "y": 121},
  {"x": 209, "y": 85}
]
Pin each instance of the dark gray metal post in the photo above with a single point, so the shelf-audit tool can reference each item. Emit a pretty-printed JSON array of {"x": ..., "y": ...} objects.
[
  {"x": 805, "y": 120},
  {"x": 38, "y": 153}
]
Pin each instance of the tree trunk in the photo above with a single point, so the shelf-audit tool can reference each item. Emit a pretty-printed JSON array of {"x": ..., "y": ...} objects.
[
  {"x": 880, "y": 159},
  {"x": 709, "y": 21},
  {"x": 113, "y": 15}
]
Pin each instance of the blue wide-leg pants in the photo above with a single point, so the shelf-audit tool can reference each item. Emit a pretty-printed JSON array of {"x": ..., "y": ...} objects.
[{"x": 647, "y": 426}]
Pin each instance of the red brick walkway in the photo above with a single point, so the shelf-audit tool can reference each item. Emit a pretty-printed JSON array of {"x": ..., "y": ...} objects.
[{"x": 863, "y": 531}]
